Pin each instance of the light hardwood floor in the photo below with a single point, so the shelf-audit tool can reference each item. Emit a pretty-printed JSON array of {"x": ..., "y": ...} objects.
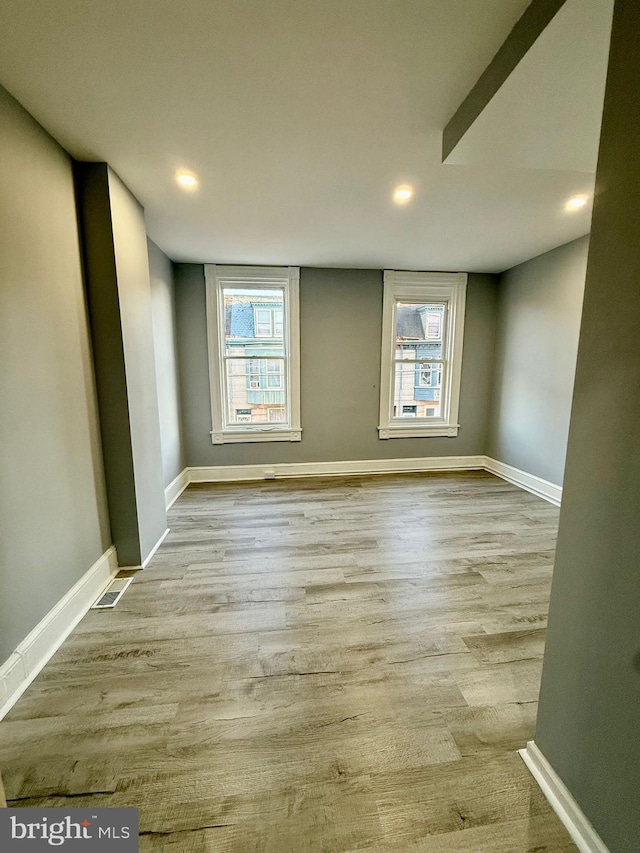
[{"x": 311, "y": 666}]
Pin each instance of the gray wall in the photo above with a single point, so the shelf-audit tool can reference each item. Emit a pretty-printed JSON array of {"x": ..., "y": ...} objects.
[
  {"x": 589, "y": 716},
  {"x": 540, "y": 305},
  {"x": 340, "y": 332},
  {"x": 53, "y": 515},
  {"x": 117, "y": 275},
  {"x": 132, "y": 266},
  {"x": 108, "y": 357},
  {"x": 165, "y": 347}
]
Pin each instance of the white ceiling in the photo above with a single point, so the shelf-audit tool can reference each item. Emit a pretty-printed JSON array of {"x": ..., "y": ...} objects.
[
  {"x": 300, "y": 116},
  {"x": 547, "y": 114}
]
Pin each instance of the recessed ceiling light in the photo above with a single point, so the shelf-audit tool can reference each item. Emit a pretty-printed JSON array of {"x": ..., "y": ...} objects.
[
  {"x": 576, "y": 202},
  {"x": 187, "y": 180},
  {"x": 401, "y": 195}
]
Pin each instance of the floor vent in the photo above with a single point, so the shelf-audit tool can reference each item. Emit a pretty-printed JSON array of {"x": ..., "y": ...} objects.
[{"x": 112, "y": 594}]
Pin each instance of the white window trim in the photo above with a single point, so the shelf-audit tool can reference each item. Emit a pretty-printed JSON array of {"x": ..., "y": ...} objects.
[
  {"x": 400, "y": 286},
  {"x": 218, "y": 276}
]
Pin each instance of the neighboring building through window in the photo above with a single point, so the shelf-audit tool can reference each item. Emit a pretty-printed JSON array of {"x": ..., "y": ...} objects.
[
  {"x": 268, "y": 321},
  {"x": 423, "y": 325},
  {"x": 252, "y": 319},
  {"x": 434, "y": 324}
]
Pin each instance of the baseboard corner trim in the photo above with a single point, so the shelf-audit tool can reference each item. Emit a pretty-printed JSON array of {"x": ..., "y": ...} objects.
[
  {"x": 529, "y": 482},
  {"x": 238, "y": 473},
  {"x": 152, "y": 552},
  {"x": 562, "y": 801},
  {"x": 37, "y": 648},
  {"x": 175, "y": 488}
]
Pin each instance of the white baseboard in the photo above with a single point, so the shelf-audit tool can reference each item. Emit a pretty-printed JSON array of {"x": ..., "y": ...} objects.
[
  {"x": 238, "y": 473},
  {"x": 562, "y": 802},
  {"x": 17, "y": 673},
  {"x": 149, "y": 556},
  {"x": 231, "y": 473},
  {"x": 176, "y": 487},
  {"x": 536, "y": 485}
]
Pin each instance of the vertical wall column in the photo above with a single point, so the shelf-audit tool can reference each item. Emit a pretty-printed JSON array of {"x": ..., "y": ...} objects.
[
  {"x": 589, "y": 716},
  {"x": 117, "y": 277}
]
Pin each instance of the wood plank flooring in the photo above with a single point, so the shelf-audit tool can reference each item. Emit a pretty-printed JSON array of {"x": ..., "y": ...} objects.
[{"x": 325, "y": 665}]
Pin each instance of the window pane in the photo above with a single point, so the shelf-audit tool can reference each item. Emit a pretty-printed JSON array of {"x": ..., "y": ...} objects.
[
  {"x": 254, "y": 321},
  {"x": 412, "y": 398},
  {"x": 419, "y": 330},
  {"x": 256, "y": 390}
]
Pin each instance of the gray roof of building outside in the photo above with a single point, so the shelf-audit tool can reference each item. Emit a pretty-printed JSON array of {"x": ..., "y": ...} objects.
[{"x": 409, "y": 323}]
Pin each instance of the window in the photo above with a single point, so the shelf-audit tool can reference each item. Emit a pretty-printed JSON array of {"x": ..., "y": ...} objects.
[
  {"x": 254, "y": 345},
  {"x": 423, "y": 326},
  {"x": 265, "y": 373},
  {"x": 253, "y": 373},
  {"x": 275, "y": 415},
  {"x": 430, "y": 375},
  {"x": 434, "y": 325},
  {"x": 275, "y": 374},
  {"x": 268, "y": 322}
]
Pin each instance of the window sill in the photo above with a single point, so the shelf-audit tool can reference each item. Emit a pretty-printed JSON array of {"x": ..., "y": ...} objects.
[
  {"x": 418, "y": 431},
  {"x": 253, "y": 435}
]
